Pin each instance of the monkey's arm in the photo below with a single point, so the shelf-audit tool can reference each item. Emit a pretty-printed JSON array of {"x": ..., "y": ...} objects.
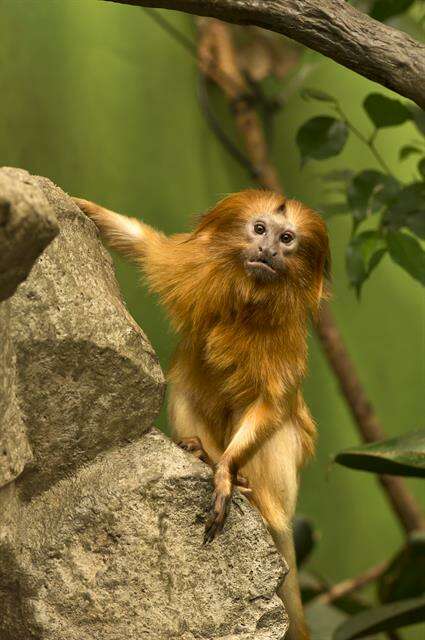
[
  {"x": 256, "y": 425},
  {"x": 153, "y": 251},
  {"x": 171, "y": 267},
  {"x": 127, "y": 235}
]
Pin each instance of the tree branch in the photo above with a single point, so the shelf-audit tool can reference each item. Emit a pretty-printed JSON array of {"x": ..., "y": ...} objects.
[
  {"x": 332, "y": 27},
  {"x": 349, "y": 586},
  {"x": 366, "y": 420},
  {"x": 217, "y": 58}
]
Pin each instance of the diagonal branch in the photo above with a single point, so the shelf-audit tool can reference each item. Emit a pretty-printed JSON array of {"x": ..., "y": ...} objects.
[
  {"x": 371, "y": 430},
  {"x": 217, "y": 54},
  {"x": 349, "y": 586},
  {"x": 332, "y": 27}
]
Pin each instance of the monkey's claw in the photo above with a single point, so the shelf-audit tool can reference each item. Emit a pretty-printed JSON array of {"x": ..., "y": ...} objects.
[{"x": 219, "y": 511}]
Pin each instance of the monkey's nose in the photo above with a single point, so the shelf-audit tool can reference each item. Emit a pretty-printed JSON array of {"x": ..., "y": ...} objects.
[{"x": 267, "y": 253}]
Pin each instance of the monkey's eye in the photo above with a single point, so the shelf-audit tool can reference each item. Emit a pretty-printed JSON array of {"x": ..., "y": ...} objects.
[
  {"x": 287, "y": 237},
  {"x": 259, "y": 228}
]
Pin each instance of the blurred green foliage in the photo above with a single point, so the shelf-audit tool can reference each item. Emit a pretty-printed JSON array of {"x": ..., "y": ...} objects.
[
  {"x": 100, "y": 100},
  {"x": 371, "y": 196}
]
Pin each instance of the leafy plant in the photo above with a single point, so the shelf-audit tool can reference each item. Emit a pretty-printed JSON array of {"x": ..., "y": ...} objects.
[
  {"x": 388, "y": 617},
  {"x": 374, "y": 195},
  {"x": 402, "y": 456},
  {"x": 401, "y": 586},
  {"x": 321, "y": 138},
  {"x": 340, "y": 612},
  {"x": 405, "y": 575}
]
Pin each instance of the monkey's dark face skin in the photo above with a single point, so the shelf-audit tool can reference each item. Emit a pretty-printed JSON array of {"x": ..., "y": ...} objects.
[{"x": 271, "y": 240}]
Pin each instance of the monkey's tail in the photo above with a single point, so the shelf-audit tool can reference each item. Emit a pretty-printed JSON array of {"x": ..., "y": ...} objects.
[
  {"x": 289, "y": 591},
  {"x": 127, "y": 235}
]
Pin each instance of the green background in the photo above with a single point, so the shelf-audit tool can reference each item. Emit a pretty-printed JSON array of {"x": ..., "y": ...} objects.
[{"x": 98, "y": 98}]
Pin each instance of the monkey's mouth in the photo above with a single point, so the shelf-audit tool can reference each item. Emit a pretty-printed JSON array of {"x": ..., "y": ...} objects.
[{"x": 261, "y": 264}]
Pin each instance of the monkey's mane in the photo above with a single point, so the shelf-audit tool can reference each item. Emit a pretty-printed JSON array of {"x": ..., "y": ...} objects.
[{"x": 201, "y": 279}]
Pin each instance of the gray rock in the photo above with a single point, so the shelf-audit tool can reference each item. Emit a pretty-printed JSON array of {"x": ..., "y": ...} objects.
[
  {"x": 88, "y": 376},
  {"x": 15, "y": 451},
  {"x": 116, "y": 552},
  {"x": 101, "y": 533},
  {"x": 27, "y": 225}
]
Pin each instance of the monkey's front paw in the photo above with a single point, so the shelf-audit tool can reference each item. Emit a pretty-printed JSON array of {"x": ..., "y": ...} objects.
[
  {"x": 194, "y": 446},
  {"x": 219, "y": 511}
]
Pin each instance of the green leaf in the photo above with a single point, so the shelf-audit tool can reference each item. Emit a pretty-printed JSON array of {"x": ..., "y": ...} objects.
[
  {"x": 416, "y": 223},
  {"x": 305, "y": 538},
  {"x": 407, "y": 209},
  {"x": 386, "y": 618},
  {"x": 363, "y": 254},
  {"x": 421, "y": 168},
  {"x": 401, "y": 456},
  {"x": 384, "y": 111},
  {"x": 323, "y": 620},
  {"x": 315, "y": 94},
  {"x": 405, "y": 576},
  {"x": 321, "y": 137},
  {"x": 368, "y": 191},
  {"x": 407, "y": 151},
  {"x": 406, "y": 251},
  {"x": 384, "y": 9}
]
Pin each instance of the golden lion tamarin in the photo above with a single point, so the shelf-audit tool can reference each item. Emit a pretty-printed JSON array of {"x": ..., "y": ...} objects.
[{"x": 239, "y": 289}]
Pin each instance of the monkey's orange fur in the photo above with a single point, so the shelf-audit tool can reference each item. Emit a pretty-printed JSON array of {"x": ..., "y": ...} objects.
[{"x": 236, "y": 376}]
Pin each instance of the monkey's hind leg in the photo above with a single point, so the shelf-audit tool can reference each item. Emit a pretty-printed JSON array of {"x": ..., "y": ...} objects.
[
  {"x": 194, "y": 446},
  {"x": 191, "y": 433},
  {"x": 272, "y": 475},
  {"x": 189, "y": 430}
]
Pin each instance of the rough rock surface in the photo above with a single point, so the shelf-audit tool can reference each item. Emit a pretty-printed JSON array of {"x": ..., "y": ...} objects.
[
  {"x": 101, "y": 535},
  {"x": 27, "y": 225},
  {"x": 116, "y": 552},
  {"x": 89, "y": 376},
  {"x": 15, "y": 451}
]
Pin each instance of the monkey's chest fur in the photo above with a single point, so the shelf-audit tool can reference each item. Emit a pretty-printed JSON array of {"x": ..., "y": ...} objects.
[{"x": 234, "y": 364}]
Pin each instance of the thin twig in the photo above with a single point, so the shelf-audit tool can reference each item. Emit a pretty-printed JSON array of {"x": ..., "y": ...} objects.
[
  {"x": 352, "y": 585},
  {"x": 215, "y": 40},
  {"x": 219, "y": 75},
  {"x": 370, "y": 143},
  {"x": 216, "y": 44},
  {"x": 215, "y": 124},
  {"x": 169, "y": 28},
  {"x": 346, "y": 587},
  {"x": 365, "y": 418},
  {"x": 226, "y": 75}
]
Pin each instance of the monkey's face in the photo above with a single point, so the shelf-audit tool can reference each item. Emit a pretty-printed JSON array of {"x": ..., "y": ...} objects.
[
  {"x": 285, "y": 241},
  {"x": 276, "y": 242},
  {"x": 271, "y": 240}
]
